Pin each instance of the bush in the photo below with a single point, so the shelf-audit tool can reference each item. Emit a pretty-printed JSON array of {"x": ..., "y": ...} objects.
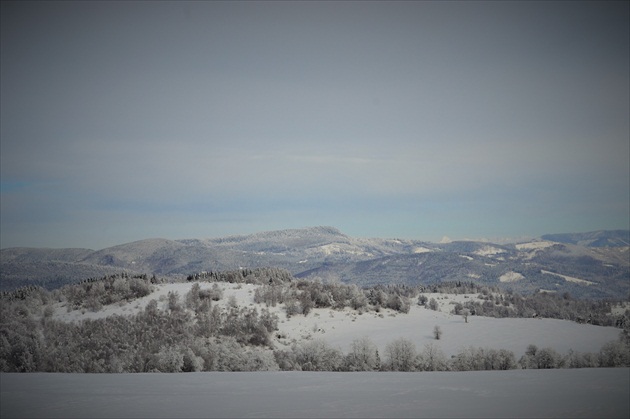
[
  {"x": 437, "y": 332},
  {"x": 545, "y": 358},
  {"x": 433, "y": 305},
  {"x": 399, "y": 303},
  {"x": 317, "y": 355}
]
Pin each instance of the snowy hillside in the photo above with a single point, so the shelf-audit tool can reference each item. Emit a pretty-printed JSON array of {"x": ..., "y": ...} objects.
[{"x": 340, "y": 327}]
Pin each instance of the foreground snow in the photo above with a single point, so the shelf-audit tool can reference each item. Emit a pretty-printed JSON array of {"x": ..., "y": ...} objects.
[{"x": 574, "y": 393}]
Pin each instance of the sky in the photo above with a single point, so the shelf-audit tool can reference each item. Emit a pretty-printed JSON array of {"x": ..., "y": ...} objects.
[{"x": 121, "y": 121}]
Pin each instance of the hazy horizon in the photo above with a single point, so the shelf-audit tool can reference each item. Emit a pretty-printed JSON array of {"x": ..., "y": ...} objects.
[{"x": 122, "y": 121}]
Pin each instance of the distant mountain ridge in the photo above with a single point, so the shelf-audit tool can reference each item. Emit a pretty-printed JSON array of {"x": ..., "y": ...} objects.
[
  {"x": 601, "y": 238},
  {"x": 577, "y": 263}
]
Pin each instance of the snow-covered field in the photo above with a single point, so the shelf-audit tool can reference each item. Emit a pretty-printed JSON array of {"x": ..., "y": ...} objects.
[
  {"x": 515, "y": 393},
  {"x": 340, "y": 327},
  {"x": 589, "y": 393}
]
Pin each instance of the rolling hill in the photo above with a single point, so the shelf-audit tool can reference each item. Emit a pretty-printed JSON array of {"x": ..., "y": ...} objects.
[
  {"x": 600, "y": 238},
  {"x": 574, "y": 263}
]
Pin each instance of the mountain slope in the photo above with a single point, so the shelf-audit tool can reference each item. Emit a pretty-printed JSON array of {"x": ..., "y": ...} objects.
[
  {"x": 49, "y": 268},
  {"x": 600, "y": 238},
  {"x": 328, "y": 254},
  {"x": 525, "y": 268},
  {"x": 30, "y": 254}
]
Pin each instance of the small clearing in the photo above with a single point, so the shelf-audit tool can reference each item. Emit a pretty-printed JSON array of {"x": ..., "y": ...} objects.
[
  {"x": 489, "y": 251},
  {"x": 568, "y": 278},
  {"x": 511, "y": 276},
  {"x": 538, "y": 245}
]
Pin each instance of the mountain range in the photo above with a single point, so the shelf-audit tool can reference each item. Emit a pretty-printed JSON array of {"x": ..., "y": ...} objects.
[{"x": 593, "y": 264}]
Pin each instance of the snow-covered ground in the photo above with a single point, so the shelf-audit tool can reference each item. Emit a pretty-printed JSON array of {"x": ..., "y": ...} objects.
[
  {"x": 340, "y": 327},
  {"x": 534, "y": 245},
  {"x": 589, "y": 393},
  {"x": 489, "y": 251},
  {"x": 572, "y": 393},
  {"x": 531, "y": 249}
]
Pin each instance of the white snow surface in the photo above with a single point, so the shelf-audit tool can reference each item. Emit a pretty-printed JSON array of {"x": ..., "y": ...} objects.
[
  {"x": 531, "y": 249},
  {"x": 421, "y": 249},
  {"x": 535, "y": 245},
  {"x": 340, "y": 328},
  {"x": 335, "y": 248},
  {"x": 576, "y": 393},
  {"x": 511, "y": 276},
  {"x": 489, "y": 251}
]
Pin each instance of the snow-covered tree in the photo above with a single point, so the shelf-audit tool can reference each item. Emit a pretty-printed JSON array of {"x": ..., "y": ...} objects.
[
  {"x": 318, "y": 355},
  {"x": 432, "y": 358},
  {"x": 400, "y": 355},
  {"x": 363, "y": 355}
]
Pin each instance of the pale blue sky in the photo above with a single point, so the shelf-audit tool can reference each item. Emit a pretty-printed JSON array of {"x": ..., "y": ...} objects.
[{"x": 122, "y": 121}]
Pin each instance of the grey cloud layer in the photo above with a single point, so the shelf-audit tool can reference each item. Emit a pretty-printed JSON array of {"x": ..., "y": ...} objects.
[{"x": 385, "y": 118}]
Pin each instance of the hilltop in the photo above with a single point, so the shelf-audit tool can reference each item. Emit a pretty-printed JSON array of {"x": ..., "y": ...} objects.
[{"x": 265, "y": 319}]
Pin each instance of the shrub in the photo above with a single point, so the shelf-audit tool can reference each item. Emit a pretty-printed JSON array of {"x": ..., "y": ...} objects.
[
  {"x": 433, "y": 304},
  {"x": 437, "y": 332}
]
